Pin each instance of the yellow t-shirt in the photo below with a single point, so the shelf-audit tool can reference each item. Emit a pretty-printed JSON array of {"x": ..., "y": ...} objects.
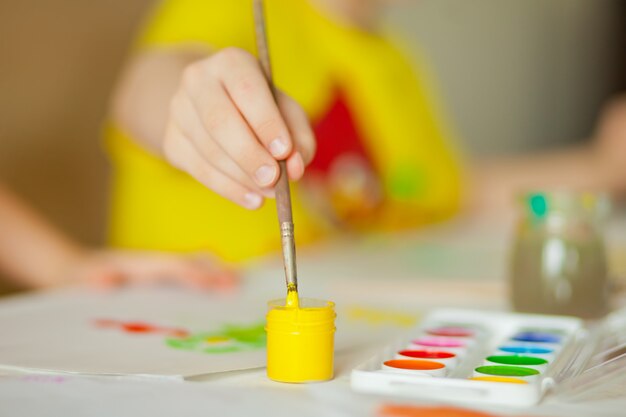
[{"x": 155, "y": 206}]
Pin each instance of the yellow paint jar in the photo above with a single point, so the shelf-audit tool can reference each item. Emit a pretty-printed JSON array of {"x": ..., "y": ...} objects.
[{"x": 300, "y": 341}]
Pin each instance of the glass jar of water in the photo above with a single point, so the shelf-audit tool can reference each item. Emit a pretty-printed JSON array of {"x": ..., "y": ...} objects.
[{"x": 558, "y": 263}]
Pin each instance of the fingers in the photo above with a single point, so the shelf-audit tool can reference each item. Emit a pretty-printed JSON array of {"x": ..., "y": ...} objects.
[
  {"x": 104, "y": 277},
  {"x": 182, "y": 154},
  {"x": 295, "y": 166},
  {"x": 219, "y": 275},
  {"x": 299, "y": 125},
  {"x": 197, "y": 272},
  {"x": 248, "y": 88},
  {"x": 224, "y": 119},
  {"x": 108, "y": 270},
  {"x": 225, "y": 125},
  {"x": 305, "y": 143},
  {"x": 227, "y": 131},
  {"x": 188, "y": 121}
]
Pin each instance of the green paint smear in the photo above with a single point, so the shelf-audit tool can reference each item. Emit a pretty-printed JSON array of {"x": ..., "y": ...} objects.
[
  {"x": 507, "y": 371},
  {"x": 224, "y": 349},
  {"x": 238, "y": 338},
  {"x": 517, "y": 360},
  {"x": 180, "y": 343},
  {"x": 253, "y": 335}
]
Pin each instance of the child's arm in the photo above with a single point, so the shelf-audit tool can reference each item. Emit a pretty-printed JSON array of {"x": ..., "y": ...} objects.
[
  {"x": 31, "y": 250},
  {"x": 36, "y": 255},
  {"x": 496, "y": 180},
  {"x": 597, "y": 166},
  {"x": 214, "y": 117}
]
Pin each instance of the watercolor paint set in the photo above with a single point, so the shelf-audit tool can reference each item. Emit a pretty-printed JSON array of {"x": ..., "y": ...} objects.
[{"x": 478, "y": 356}]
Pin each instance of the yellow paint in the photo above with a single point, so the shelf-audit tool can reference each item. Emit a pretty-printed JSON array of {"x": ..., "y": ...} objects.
[
  {"x": 292, "y": 296},
  {"x": 300, "y": 340},
  {"x": 499, "y": 379},
  {"x": 217, "y": 339},
  {"x": 377, "y": 317}
]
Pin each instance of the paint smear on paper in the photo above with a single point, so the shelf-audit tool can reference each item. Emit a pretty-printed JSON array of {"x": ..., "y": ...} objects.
[
  {"x": 141, "y": 327},
  {"x": 229, "y": 339},
  {"x": 379, "y": 317},
  {"x": 390, "y": 410},
  {"x": 44, "y": 379}
]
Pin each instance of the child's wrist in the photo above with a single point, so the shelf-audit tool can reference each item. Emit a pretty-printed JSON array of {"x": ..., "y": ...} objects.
[{"x": 68, "y": 270}]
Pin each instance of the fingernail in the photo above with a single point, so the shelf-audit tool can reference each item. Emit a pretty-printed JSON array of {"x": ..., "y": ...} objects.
[
  {"x": 299, "y": 165},
  {"x": 252, "y": 201},
  {"x": 265, "y": 175},
  {"x": 299, "y": 157},
  {"x": 277, "y": 148}
]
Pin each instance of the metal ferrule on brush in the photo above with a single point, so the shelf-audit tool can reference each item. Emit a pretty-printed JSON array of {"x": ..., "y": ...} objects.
[{"x": 289, "y": 254}]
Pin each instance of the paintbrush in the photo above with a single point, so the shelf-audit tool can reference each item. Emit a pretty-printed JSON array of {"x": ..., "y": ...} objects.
[{"x": 283, "y": 194}]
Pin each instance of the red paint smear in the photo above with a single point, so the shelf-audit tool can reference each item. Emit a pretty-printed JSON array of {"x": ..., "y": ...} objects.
[
  {"x": 141, "y": 327},
  {"x": 390, "y": 410},
  {"x": 106, "y": 323},
  {"x": 425, "y": 354},
  {"x": 179, "y": 333}
]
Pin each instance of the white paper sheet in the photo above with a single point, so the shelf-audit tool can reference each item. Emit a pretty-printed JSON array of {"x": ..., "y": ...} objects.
[
  {"x": 81, "y": 331},
  {"x": 61, "y": 332}
]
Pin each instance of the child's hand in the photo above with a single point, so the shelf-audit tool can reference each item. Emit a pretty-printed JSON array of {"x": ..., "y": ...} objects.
[
  {"x": 108, "y": 269},
  {"x": 610, "y": 143},
  {"x": 225, "y": 129}
]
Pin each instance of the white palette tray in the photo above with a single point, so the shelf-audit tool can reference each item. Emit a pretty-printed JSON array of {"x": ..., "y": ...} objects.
[{"x": 475, "y": 356}]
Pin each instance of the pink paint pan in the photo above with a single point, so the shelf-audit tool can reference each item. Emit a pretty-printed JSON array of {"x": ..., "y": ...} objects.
[
  {"x": 447, "y": 358},
  {"x": 451, "y": 331},
  {"x": 449, "y": 344},
  {"x": 440, "y": 342}
]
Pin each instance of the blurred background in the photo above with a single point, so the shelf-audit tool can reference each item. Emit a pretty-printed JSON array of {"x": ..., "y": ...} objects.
[{"x": 515, "y": 76}]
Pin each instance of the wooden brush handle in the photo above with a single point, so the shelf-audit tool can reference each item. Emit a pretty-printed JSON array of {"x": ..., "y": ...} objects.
[{"x": 283, "y": 194}]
